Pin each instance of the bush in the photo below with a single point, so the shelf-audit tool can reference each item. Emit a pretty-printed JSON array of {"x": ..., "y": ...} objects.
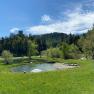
[
  {"x": 70, "y": 51},
  {"x": 73, "y": 52},
  {"x": 8, "y": 57},
  {"x": 53, "y": 53}
]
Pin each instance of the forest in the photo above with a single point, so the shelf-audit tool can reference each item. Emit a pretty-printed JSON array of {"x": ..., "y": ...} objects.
[{"x": 55, "y": 45}]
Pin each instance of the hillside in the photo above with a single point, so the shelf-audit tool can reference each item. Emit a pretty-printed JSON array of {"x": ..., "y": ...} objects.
[{"x": 54, "y": 39}]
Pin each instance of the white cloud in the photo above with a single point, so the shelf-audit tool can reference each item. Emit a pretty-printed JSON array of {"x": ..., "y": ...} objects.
[
  {"x": 77, "y": 22},
  {"x": 45, "y": 18},
  {"x": 14, "y": 30}
]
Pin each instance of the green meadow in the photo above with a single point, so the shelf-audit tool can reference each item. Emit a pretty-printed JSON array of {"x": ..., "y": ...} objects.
[
  {"x": 47, "y": 47},
  {"x": 79, "y": 80}
]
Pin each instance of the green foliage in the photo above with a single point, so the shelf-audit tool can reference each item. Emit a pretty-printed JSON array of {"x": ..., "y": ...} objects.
[
  {"x": 8, "y": 57},
  {"x": 15, "y": 43},
  {"x": 51, "y": 40},
  {"x": 73, "y": 45},
  {"x": 65, "y": 51},
  {"x": 86, "y": 44},
  {"x": 32, "y": 49},
  {"x": 53, "y": 53},
  {"x": 18, "y": 43},
  {"x": 54, "y": 39},
  {"x": 70, "y": 51}
]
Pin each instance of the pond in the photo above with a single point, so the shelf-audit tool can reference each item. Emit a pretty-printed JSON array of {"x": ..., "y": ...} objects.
[
  {"x": 34, "y": 68},
  {"x": 40, "y": 67}
]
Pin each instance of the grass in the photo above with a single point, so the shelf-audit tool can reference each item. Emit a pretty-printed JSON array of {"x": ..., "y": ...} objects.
[{"x": 70, "y": 81}]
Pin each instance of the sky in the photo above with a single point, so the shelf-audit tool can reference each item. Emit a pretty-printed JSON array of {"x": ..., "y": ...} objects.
[{"x": 46, "y": 16}]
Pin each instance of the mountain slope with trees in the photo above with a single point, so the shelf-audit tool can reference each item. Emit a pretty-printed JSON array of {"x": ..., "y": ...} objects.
[
  {"x": 53, "y": 45},
  {"x": 18, "y": 43}
]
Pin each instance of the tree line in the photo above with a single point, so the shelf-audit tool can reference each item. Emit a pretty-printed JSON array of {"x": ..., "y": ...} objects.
[
  {"x": 55, "y": 45},
  {"x": 18, "y": 43}
]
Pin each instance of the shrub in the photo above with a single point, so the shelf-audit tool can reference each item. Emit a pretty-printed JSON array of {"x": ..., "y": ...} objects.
[
  {"x": 8, "y": 57},
  {"x": 70, "y": 51},
  {"x": 53, "y": 53}
]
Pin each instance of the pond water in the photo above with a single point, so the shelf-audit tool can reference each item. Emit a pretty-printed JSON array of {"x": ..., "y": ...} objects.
[
  {"x": 42, "y": 67},
  {"x": 34, "y": 68}
]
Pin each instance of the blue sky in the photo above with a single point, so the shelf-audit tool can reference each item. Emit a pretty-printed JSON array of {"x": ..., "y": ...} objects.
[{"x": 46, "y": 16}]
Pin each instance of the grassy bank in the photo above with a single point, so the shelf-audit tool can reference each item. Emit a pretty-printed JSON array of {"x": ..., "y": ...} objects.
[{"x": 69, "y": 81}]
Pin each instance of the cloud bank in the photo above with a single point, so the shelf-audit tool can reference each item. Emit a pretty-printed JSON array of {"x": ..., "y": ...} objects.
[{"x": 76, "y": 22}]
